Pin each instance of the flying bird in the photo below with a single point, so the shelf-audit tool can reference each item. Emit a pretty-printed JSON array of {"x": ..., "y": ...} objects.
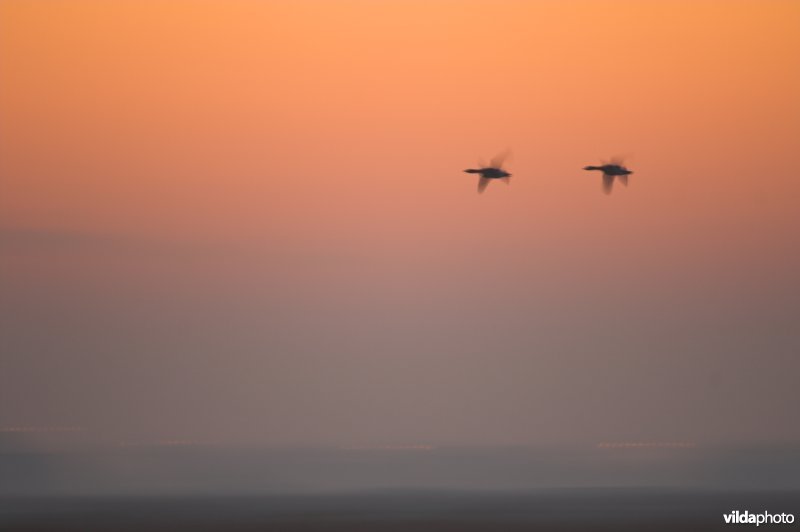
[
  {"x": 494, "y": 170},
  {"x": 612, "y": 170}
]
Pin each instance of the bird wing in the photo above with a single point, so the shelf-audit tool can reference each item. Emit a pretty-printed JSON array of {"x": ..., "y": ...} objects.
[
  {"x": 482, "y": 184},
  {"x": 608, "y": 183},
  {"x": 498, "y": 160},
  {"x": 623, "y": 179}
]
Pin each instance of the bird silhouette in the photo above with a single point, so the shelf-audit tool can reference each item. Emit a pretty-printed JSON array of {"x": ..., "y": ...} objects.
[
  {"x": 612, "y": 170},
  {"x": 494, "y": 170}
]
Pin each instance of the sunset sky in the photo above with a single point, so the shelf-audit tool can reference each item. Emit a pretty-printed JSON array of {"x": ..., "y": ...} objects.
[{"x": 248, "y": 221}]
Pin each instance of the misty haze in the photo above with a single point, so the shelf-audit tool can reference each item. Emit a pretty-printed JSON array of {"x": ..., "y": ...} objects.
[{"x": 246, "y": 283}]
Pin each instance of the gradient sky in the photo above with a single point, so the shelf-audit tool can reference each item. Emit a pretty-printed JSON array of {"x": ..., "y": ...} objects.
[{"x": 247, "y": 221}]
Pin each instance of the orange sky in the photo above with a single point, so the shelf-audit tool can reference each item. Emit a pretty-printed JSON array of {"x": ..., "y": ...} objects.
[
  {"x": 124, "y": 113},
  {"x": 238, "y": 153}
]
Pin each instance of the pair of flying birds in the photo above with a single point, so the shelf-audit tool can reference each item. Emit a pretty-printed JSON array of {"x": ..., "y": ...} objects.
[{"x": 612, "y": 170}]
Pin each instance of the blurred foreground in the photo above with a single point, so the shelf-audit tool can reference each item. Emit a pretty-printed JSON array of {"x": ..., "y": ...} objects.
[
  {"x": 66, "y": 484},
  {"x": 569, "y": 509}
]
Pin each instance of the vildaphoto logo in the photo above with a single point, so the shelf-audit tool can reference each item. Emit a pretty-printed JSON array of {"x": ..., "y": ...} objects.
[{"x": 746, "y": 518}]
